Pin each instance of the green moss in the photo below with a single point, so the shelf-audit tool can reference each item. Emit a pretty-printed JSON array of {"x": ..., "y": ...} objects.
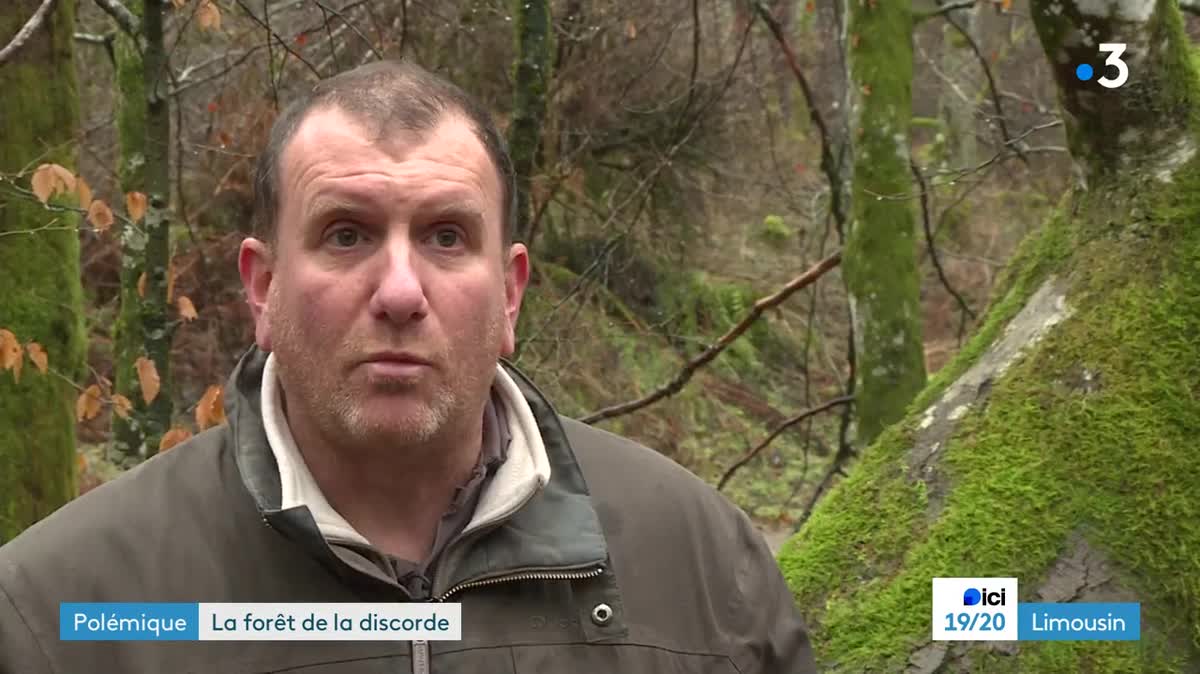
[
  {"x": 1047, "y": 459},
  {"x": 43, "y": 299},
  {"x": 879, "y": 265}
]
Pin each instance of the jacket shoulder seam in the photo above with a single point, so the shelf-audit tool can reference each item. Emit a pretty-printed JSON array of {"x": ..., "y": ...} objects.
[{"x": 25, "y": 623}]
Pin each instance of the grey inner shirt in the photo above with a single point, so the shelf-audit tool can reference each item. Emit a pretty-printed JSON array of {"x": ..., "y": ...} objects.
[{"x": 416, "y": 576}]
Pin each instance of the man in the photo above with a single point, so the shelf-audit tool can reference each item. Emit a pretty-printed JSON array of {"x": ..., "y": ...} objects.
[{"x": 378, "y": 448}]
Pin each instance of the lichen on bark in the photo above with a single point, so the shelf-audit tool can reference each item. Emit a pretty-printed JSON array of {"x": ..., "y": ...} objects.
[
  {"x": 43, "y": 299},
  {"x": 879, "y": 265}
]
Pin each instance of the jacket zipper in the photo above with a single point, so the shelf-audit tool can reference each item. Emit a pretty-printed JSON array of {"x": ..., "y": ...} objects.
[
  {"x": 420, "y": 648},
  {"x": 528, "y": 575},
  {"x": 420, "y": 657}
]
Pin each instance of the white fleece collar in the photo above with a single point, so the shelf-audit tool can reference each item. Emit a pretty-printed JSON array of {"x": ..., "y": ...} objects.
[{"x": 524, "y": 472}]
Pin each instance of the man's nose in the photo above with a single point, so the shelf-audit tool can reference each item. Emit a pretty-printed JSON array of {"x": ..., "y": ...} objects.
[{"x": 399, "y": 294}]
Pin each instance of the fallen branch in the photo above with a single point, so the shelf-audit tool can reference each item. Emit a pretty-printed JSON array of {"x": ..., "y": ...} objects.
[
  {"x": 124, "y": 18},
  {"x": 30, "y": 27},
  {"x": 761, "y": 305},
  {"x": 783, "y": 426}
]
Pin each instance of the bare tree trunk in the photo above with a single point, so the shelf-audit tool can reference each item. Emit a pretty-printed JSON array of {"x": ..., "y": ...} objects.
[
  {"x": 1060, "y": 446},
  {"x": 535, "y": 53},
  {"x": 42, "y": 299}
]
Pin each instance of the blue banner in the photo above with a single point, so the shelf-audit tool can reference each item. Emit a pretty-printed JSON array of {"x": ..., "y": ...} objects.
[
  {"x": 1079, "y": 622},
  {"x": 128, "y": 622}
]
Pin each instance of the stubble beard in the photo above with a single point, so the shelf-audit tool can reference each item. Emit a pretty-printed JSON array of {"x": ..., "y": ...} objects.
[{"x": 334, "y": 404}]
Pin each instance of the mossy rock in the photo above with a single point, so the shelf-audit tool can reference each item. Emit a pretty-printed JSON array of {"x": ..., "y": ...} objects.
[{"x": 1063, "y": 436}]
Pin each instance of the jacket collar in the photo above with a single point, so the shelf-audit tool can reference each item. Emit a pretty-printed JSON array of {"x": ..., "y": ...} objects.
[{"x": 555, "y": 528}]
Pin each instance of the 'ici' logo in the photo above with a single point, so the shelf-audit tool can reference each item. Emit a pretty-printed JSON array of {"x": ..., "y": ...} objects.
[{"x": 973, "y": 597}]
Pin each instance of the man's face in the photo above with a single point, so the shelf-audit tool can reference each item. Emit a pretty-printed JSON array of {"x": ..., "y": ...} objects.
[{"x": 389, "y": 294}]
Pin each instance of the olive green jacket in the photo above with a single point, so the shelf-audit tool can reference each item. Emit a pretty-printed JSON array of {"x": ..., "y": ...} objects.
[{"x": 623, "y": 562}]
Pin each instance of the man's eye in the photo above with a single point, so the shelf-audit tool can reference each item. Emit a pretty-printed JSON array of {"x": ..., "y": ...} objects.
[
  {"x": 446, "y": 238},
  {"x": 345, "y": 237}
]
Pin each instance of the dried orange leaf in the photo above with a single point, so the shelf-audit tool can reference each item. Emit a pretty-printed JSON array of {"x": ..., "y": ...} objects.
[
  {"x": 187, "y": 310},
  {"x": 210, "y": 410},
  {"x": 121, "y": 405},
  {"x": 631, "y": 29},
  {"x": 87, "y": 406},
  {"x": 142, "y": 286},
  {"x": 173, "y": 437},
  {"x": 208, "y": 17},
  {"x": 135, "y": 205},
  {"x": 147, "y": 378},
  {"x": 46, "y": 181},
  {"x": 100, "y": 215},
  {"x": 10, "y": 353},
  {"x": 38, "y": 355}
]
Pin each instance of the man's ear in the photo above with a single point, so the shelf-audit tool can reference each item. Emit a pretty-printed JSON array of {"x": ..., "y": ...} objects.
[
  {"x": 256, "y": 265},
  {"x": 516, "y": 277}
]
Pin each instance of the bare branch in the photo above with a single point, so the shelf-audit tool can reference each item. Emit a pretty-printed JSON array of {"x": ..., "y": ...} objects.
[
  {"x": 992, "y": 89},
  {"x": 828, "y": 162},
  {"x": 933, "y": 255},
  {"x": 278, "y": 38},
  {"x": 92, "y": 38},
  {"x": 775, "y": 432},
  {"x": 352, "y": 27},
  {"x": 946, "y": 9},
  {"x": 760, "y": 306},
  {"x": 30, "y": 27},
  {"x": 124, "y": 18}
]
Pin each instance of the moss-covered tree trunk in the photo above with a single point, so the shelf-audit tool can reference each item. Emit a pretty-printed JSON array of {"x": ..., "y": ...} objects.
[
  {"x": 42, "y": 298},
  {"x": 1061, "y": 445},
  {"x": 880, "y": 266},
  {"x": 143, "y": 329},
  {"x": 535, "y": 54}
]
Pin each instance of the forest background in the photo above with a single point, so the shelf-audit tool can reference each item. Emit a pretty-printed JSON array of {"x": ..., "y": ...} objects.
[{"x": 758, "y": 230}]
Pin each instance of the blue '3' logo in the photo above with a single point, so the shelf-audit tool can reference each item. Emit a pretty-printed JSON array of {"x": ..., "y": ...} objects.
[{"x": 971, "y": 597}]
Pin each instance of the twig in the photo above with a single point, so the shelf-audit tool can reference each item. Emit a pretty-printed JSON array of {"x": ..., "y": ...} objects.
[
  {"x": 828, "y": 163},
  {"x": 933, "y": 254},
  {"x": 760, "y": 306},
  {"x": 30, "y": 27},
  {"x": 944, "y": 9},
  {"x": 992, "y": 89},
  {"x": 352, "y": 27},
  {"x": 844, "y": 454},
  {"x": 780, "y": 428},
  {"x": 124, "y": 18},
  {"x": 272, "y": 34}
]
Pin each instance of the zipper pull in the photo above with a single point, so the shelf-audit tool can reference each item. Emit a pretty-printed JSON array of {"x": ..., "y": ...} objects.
[{"x": 420, "y": 657}]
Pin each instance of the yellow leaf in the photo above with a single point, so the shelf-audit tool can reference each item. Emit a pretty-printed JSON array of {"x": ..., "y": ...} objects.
[
  {"x": 142, "y": 286},
  {"x": 10, "y": 353},
  {"x": 84, "y": 191},
  {"x": 187, "y": 310},
  {"x": 50, "y": 179},
  {"x": 147, "y": 378},
  {"x": 135, "y": 205},
  {"x": 121, "y": 405},
  {"x": 100, "y": 215},
  {"x": 38, "y": 355},
  {"x": 210, "y": 410},
  {"x": 208, "y": 17},
  {"x": 173, "y": 437},
  {"x": 87, "y": 406}
]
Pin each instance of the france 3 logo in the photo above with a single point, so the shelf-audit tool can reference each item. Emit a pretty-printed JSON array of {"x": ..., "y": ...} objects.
[{"x": 974, "y": 609}]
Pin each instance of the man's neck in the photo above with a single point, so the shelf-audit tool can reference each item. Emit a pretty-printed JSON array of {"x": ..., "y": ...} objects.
[{"x": 394, "y": 498}]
